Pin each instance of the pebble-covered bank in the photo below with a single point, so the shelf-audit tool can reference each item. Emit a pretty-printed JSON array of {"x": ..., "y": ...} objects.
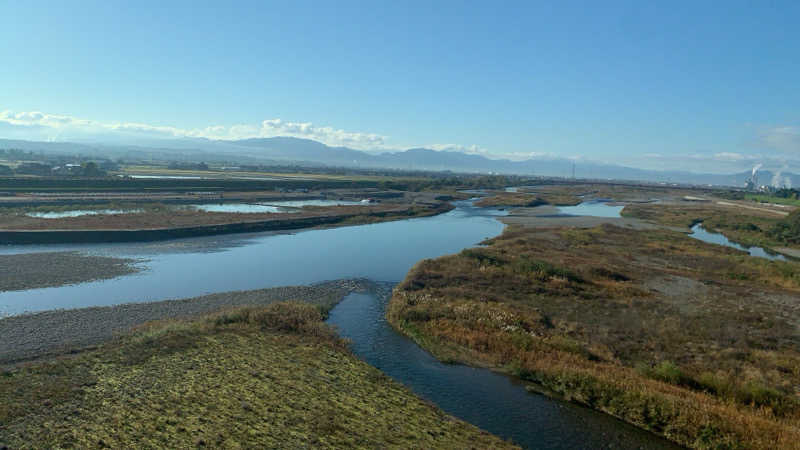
[
  {"x": 49, "y": 269},
  {"x": 32, "y": 336}
]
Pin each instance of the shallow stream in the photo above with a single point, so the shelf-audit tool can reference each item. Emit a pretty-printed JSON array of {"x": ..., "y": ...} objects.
[{"x": 698, "y": 232}]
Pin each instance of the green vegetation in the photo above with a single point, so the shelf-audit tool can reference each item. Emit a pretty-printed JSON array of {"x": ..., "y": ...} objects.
[
  {"x": 224, "y": 181},
  {"x": 781, "y": 197},
  {"x": 511, "y": 199},
  {"x": 150, "y": 207},
  {"x": 567, "y": 194},
  {"x": 255, "y": 377},
  {"x": 787, "y": 230},
  {"x": 746, "y": 226},
  {"x": 692, "y": 341}
]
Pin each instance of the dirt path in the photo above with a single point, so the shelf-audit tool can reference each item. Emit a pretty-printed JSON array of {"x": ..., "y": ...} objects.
[{"x": 755, "y": 208}]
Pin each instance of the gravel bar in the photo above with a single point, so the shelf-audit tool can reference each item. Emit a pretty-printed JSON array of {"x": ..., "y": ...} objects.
[
  {"x": 32, "y": 336},
  {"x": 25, "y": 271}
]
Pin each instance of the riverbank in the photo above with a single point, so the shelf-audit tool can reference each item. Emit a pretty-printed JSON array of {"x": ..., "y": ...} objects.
[
  {"x": 173, "y": 224},
  {"x": 273, "y": 376},
  {"x": 24, "y": 271},
  {"x": 692, "y": 341},
  {"x": 32, "y": 336},
  {"x": 742, "y": 223}
]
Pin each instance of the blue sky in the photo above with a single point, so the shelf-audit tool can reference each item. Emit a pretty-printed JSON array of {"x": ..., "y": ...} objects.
[{"x": 651, "y": 84}]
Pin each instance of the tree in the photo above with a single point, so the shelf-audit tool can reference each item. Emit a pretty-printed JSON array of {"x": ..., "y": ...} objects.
[{"x": 90, "y": 169}]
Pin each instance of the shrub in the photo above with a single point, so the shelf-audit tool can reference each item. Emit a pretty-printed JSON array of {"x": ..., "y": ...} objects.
[
  {"x": 544, "y": 270},
  {"x": 482, "y": 257}
]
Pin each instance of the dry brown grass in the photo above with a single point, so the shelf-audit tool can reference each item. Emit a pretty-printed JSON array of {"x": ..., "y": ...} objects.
[
  {"x": 511, "y": 199},
  {"x": 175, "y": 217},
  {"x": 692, "y": 341}
]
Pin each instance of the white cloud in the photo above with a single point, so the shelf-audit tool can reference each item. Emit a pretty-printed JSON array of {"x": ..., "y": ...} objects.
[
  {"x": 59, "y": 125},
  {"x": 468, "y": 149},
  {"x": 733, "y": 156}
]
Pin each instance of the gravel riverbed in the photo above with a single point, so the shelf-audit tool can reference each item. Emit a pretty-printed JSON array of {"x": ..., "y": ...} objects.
[
  {"x": 31, "y": 336},
  {"x": 49, "y": 269}
]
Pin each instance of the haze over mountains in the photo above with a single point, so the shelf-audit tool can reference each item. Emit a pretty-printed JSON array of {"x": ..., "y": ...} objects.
[{"x": 291, "y": 150}]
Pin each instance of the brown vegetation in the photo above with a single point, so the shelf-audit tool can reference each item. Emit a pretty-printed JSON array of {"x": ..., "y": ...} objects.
[
  {"x": 274, "y": 377},
  {"x": 162, "y": 216},
  {"x": 511, "y": 199},
  {"x": 574, "y": 193},
  {"x": 693, "y": 341}
]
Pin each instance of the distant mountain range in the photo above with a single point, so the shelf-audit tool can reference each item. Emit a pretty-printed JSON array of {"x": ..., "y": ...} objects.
[{"x": 289, "y": 150}]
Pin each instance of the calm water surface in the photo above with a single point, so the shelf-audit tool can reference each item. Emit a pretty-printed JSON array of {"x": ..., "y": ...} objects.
[
  {"x": 81, "y": 212},
  {"x": 492, "y": 401},
  {"x": 191, "y": 267},
  {"x": 597, "y": 208},
  {"x": 269, "y": 207},
  {"x": 698, "y": 232}
]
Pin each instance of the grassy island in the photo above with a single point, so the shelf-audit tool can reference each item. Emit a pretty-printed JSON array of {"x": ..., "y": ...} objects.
[{"x": 693, "y": 341}]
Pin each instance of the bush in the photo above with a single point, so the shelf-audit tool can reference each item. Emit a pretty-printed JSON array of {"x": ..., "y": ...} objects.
[
  {"x": 544, "y": 270},
  {"x": 787, "y": 230},
  {"x": 286, "y": 317},
  {"x": 668, "y": 372},
  {"x": 482, "y": 257}
]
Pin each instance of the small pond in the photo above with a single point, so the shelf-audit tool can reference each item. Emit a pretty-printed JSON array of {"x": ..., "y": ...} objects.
[
  {"x": 270, "y": 207},
  {"x": 240, "y": 208},
  {"x": 81, "y": 212}
]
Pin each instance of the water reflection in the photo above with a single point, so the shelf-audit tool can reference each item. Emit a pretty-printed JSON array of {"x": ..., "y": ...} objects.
[
  {"x": 270, "y": 207},
  {"x": 81, "y": 212},
  {"x": 698, "y": 232},
  {"x": 383, "y": 251},
  {"x": 596, "y": 208},
  {"x": 494, "y": 402}
]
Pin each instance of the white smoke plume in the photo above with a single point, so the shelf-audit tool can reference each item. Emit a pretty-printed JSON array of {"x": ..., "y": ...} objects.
[
  {"x": 755, "y": 169},
  {"x": 777, "y": 181}
]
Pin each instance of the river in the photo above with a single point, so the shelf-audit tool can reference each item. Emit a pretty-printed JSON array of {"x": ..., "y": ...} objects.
[{"x": 382, "y": 252}]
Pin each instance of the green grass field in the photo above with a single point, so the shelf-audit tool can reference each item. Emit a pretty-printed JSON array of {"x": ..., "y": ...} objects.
[{"x": 764, "y": 198}]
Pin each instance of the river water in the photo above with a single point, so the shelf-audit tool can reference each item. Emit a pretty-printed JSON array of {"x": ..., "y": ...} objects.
[
  {"x": 191, "y": 267},
  {"x": 698, "y": 232},
  {"x": 494, "y": 402},
  {"x": 382, "y": 252}
]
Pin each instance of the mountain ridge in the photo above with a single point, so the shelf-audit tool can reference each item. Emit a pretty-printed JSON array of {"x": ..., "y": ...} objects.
[{"x": 293, "y": 150}]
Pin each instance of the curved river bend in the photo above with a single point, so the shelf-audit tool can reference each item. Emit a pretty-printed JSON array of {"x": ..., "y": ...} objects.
[{"x": 382, "y": 252}]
